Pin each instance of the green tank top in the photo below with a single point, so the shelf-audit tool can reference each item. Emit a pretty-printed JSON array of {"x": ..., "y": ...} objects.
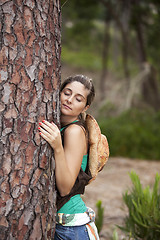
[{"x": 75, "y": 204}]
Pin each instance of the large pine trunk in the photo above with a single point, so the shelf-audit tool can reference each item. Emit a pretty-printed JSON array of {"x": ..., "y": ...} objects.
[{"x": 29, "y": 85}]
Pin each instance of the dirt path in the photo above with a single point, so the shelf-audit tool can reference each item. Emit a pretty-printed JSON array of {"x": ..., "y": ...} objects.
[{"x": 111, "y": 183}]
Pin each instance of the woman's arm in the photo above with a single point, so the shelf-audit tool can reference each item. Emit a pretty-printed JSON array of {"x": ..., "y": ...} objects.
[{"x": 68, "y": 159}]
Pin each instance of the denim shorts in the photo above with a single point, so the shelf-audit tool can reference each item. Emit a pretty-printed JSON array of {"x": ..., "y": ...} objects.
[{"x": 71, "y": 233}]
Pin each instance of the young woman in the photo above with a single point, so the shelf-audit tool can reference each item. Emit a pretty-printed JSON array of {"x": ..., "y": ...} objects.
[{"x": 70, "y": 145}]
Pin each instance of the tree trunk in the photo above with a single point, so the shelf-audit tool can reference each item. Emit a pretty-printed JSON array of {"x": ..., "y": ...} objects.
[
  {"x": 29, "y": 84},
  {"x": 150, "y": 90},
  {"x": 104, "y": 59},
  {"x": 125, "y": 55},
  {"x": 150, "y": 87},
  {"x": 141, "y": 50},
  {"x": 121, "y": 17}
]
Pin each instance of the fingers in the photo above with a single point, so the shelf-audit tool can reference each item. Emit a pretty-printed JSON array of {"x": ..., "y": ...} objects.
[
  {"x": 48, "y": 136},
  {"x": 47, "y": 125},
  {"x": 47, "y": 130},
  {"x": 44, "y": 136},
  {"x": 50, "y": 132},
  {"x": 42, "y": 130}
]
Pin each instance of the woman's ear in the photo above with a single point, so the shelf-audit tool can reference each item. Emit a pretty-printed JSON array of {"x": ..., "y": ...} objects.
[{"x": 85, "y": 109}]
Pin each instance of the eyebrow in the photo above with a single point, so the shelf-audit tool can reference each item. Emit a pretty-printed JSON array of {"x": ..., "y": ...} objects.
[{"x": 76, "y": 94}]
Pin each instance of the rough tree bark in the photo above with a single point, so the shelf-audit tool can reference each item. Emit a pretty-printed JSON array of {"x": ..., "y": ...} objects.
[{"x": 29, "y": 84}]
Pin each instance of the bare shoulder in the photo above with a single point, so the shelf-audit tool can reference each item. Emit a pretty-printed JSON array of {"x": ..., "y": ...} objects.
[
  {"x": 75, "y": 130},
  {"x": 75, "y": 140}
]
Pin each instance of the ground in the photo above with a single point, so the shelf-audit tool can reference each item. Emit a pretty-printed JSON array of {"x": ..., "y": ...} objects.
[{"x": 111, "y": 183}]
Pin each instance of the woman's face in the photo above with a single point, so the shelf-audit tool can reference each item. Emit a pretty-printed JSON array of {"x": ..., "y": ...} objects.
[{"x": 74, "y": 99}]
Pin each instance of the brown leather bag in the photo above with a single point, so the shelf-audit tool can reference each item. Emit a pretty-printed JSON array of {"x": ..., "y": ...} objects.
[{"x": 98, "y": 147}]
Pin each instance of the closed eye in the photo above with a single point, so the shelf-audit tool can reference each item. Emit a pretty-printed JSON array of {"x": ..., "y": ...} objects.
[{"x": 66, "y": 93}]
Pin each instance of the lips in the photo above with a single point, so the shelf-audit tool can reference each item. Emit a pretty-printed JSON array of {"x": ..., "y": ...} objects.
[{"x": 66, "y": 106}]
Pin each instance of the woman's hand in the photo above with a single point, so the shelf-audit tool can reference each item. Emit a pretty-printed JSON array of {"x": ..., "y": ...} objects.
[{"x": 51, "y": 133}]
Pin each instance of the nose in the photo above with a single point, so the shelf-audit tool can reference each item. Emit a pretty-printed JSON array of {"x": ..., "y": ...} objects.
[{"x": 69, "y": 99}]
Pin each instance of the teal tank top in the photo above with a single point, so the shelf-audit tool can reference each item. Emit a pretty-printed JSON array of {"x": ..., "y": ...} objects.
[{"x": 75, "y": 204}]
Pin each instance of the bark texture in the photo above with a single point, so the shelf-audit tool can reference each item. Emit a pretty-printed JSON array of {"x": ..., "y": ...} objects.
[{"x": 29, "y": 90}]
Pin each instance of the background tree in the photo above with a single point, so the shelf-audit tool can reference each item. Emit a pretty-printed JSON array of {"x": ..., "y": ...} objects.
[
  {"x": 29, "y": 83},
  {"x": 133, "y": 26},
  {"x": 105, "y": 55},
  {"x": 144, "y": 20},
  {"x": 114, "y": 41},
  {"x": 121, "y": 15}
]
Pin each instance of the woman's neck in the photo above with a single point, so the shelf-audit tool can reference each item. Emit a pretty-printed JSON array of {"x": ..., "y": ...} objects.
[{"x": 67, "y": 119}]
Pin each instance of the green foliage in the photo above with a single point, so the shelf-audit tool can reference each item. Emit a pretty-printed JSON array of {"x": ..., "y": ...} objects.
[
  {"x": 81, "y": 59},
  {"x": 82, "y": 34},
  {"x": 143, "y": 220},
  {"x": 80, "y": 15},
  {"x": 134, "y": 134},
  {"x": 115, "y": 235},
  {"x": 99, "y": 216},
  {"x": 80, "y": 9}
]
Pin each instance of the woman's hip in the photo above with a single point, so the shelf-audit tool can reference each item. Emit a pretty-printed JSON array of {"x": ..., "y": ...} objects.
[{"x": 71, "y": 232}]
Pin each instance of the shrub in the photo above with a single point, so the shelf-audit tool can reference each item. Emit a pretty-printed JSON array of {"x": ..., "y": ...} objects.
[
  {"x": 143, "y": 220},
  {"x": 99, "y": 216},
  {"x": 115, "y": 235},
  {"x": 134, "y": 134}
]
